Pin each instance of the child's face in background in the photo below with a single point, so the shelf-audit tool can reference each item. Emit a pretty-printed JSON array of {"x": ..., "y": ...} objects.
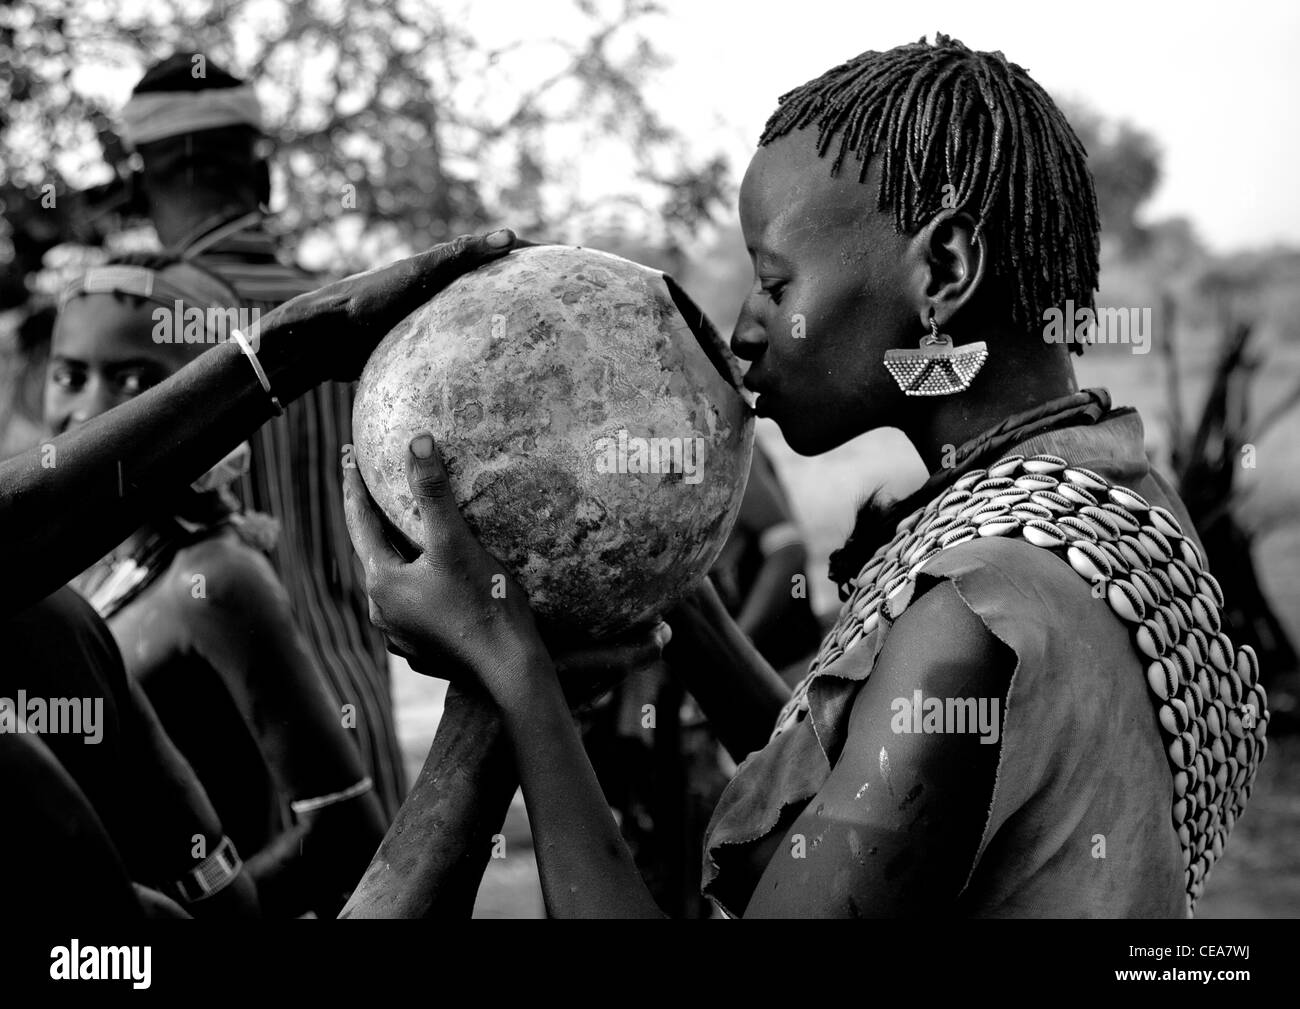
[{"x": 103, "y": 354}]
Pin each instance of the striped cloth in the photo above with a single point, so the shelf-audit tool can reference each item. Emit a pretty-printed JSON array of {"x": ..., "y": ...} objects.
[{"x": 295, "y": 475}]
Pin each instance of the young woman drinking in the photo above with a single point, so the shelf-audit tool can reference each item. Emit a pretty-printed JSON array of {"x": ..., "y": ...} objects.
[{"x": 1029, "y": 705}]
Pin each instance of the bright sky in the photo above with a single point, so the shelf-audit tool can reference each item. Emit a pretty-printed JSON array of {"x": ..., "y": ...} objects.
[{"x": 1218, "y": 84}]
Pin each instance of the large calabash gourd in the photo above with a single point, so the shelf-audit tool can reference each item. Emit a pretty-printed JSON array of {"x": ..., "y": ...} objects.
[{"x": 592, "y": 425}]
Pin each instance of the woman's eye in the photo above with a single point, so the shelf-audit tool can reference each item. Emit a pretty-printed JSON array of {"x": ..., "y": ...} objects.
[
  {"x": 67, "y": 379},
  {"x": 774, "y": 290},
  {"x": 132, "y": 383}
]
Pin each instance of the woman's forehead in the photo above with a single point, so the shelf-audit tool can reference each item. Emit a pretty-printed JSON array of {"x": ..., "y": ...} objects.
[
  {"x": 97, "y": 324},
  {"x": 788, "y": 193}
]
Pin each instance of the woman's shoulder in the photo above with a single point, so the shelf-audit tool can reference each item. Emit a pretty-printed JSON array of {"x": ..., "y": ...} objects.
[{"x": 224, "y": 571}]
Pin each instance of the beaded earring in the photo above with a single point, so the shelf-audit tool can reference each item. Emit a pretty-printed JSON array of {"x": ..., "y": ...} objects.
[{"x": 936, "y": 367}]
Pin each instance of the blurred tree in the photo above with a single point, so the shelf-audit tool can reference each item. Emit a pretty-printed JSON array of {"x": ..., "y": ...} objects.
[
  {"x": 1125, "y": 164},
  {"x": 393, "y": 126}
]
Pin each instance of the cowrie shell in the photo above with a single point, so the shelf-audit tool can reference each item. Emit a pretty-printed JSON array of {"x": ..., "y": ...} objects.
[
  {"x": 1164, "y": 520},
  {"x": 1186, "y": 661},
  {"x": 1207, "y": 585},
  {"x": 1247, "y": 666},
  {"x": 1075, "y": 493},
  {"x": 1085, "y": 478},
  {"x": 1125, "y": 601},
  {"x": 1010, "y": 497},
  {"x": 1129, "y": 499},
  {"x": 1031, "y": 510},
  {"x": 1166, "y": 586},
  {"x": 1182, "y": 612},
  {"x": 1181, "y": 752},
  {"x": 987, "y": 513},
  {"x": 1205, "y": 614},
  {"x": 1191, "y": 556},
  {"x": 1191, "y": 696},
  {"x": 1044, "y": 464},
  {"x": 1150, "y": 640},
  {"x": 1217, "y": 751},
  {"x": 1148, "y": 581},
  {"x": 940, "y": 525},
  {"x": 1180, "y": 782},
  {"x": 1182, "y": 577},
  {"x": 1034, "y": 481},
  {"x": 954, "y": 495},
  {"x": 1220, "y": 655},
  {"x": 1124, "y": 519},
  {"x": 1214, "y": 723},
  {"x": 1180, "y": 811},
  {"x": 1102, "y": 522},
  {"x": 1199, "y": 642},
  {"x": 854, "y": 638},
  {"x": 1230, "y": 691},
  {"x": 969, "y": 480},
  {"x": 1074, "y": 527},
  {"x": 1042, "y": 534},
  {"x": 1144, "y": 590},
  {"x": 1208, "y": 683},
  {"x": 1007, "y": 466},
  {"x": 992, "y": 483},
  {"x": 1165, "y": 618},
  {"x": 1162, "y": 678},
  {"x": 1116, "y": 558},
  {"x": 871, "y": 620},
  {"x": 1088, "y": 560},
  {"x": 1051, "y": 499},
  {"x": 999, "y": 527},
  {"x": 1156, "y": 544},
  {"x": 1133, "y": 552},
  {"x": 953, "y": 508},
  {"x": 953, "y": 537}
]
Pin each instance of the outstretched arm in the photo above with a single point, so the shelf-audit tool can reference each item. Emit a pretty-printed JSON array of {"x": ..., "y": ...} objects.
[{"x": 68, "y": 502}]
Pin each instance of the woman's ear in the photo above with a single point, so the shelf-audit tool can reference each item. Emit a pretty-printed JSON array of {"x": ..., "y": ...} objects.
[{"x": 948, "y": 264}]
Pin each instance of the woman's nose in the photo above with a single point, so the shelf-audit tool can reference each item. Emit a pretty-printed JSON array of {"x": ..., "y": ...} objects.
[{"x": 748, "y": 339}]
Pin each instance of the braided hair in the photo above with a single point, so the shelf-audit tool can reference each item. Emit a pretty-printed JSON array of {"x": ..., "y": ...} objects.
[{"x": 957, "y": 128}]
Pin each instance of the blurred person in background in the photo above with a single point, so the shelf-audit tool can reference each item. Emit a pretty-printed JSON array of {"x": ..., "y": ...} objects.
[
  {"x": 203, "y": 624},
  {"x": 206, "y": 183}
]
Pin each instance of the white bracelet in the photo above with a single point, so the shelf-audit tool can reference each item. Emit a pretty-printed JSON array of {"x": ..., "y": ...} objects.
[
  {"x": 321, "y": 801},
  {"x": 247, "y": 348}
]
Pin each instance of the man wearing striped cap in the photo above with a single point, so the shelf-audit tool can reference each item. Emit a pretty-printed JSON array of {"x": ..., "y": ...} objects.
[{"x": 198, "y": 131}]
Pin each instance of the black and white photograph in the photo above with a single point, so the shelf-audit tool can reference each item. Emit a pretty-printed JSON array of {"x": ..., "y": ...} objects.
[{"x": 677, "y": 459}]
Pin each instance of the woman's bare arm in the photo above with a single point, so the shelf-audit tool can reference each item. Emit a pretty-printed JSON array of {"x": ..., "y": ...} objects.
[
  {"x": 244, "y": 629},
  {"x": 895, "y": 829}
]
